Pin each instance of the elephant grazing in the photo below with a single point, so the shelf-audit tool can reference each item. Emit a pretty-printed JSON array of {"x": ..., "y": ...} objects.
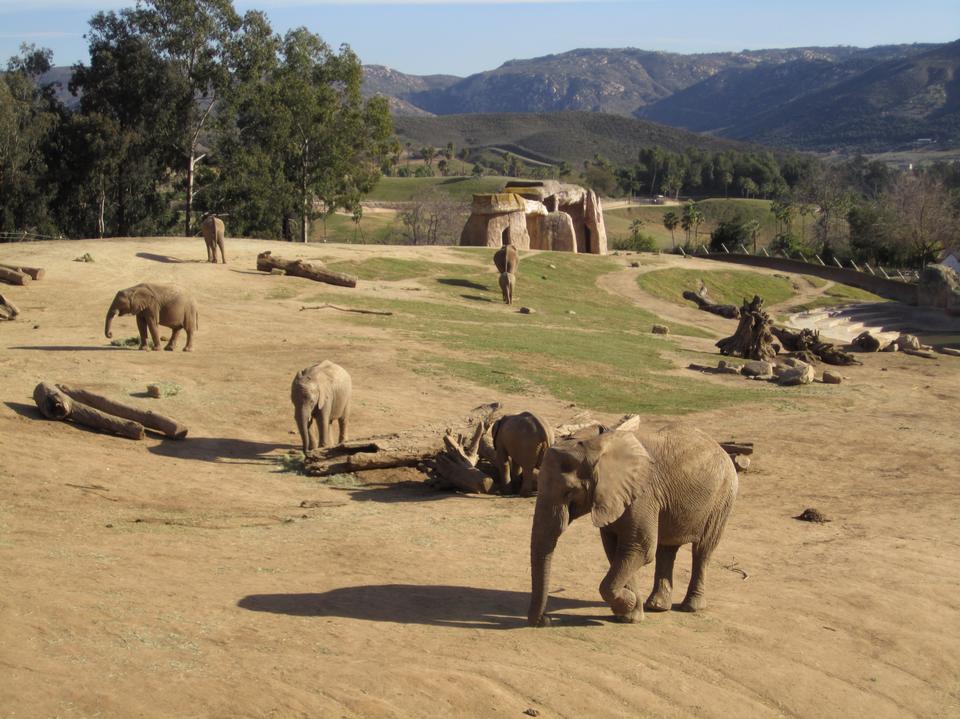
[
  {"x": 156, "y": 304},
  {"x": 506, "y": 259},
  {"x": 321, "y": 394},
  {"x": 648, "y": 494},
  {"x": 520, "y": 441},
  {"x": 213, "y": 230}
]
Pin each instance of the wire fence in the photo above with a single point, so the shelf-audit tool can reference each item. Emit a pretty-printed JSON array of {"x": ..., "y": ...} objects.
[{"x": 25, "y": 236}]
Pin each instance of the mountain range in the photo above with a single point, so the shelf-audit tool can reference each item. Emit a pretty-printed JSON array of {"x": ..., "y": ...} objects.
[{"x": 824, "y": 99}]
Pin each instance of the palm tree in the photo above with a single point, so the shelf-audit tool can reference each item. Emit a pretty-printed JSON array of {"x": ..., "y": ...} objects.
[{"x": 670, "y": 221}]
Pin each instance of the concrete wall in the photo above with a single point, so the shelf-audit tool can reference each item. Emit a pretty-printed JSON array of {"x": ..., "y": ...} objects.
[{"x": 889, "y": 289}]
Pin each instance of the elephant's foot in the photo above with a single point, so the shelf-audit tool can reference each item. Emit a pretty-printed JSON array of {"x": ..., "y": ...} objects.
[
  {"x": 142, "y": 347},
  {"x": 659, "y": 601},
  {"x": 541, "y": 621},
  {"x": 168, "y": 348},
  {"x": 624, "y": 604},
  {"x": 156, "y": 348},
  {"x": 634, "y": 617},
  {"x": 693, "y": 604},
  {"x": 188, "y": 349}
]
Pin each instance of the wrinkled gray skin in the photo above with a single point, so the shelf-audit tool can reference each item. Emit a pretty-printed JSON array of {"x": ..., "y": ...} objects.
[
  {"x": 520, "y": 441},
  {"x": 506, "y": 259},
  {"x": 321, "y": 395},
  {"x": 154, "y": 305},
  {"x": 213, "y": 230},
  {"x": 648, "y": 494}
]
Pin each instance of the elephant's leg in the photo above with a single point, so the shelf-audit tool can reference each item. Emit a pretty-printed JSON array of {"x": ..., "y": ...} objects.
[
  {"x": 695, "y": 599},
  {"x": 610, "y": 540},
  {"x": 528, "y": 485},
  {"x": 173, "y": 339},
  {"x": 661, "y": 598},
  {"x": 617, "y": 589},
  {"x": 503, "y": 464},
  {"x": 342, "y": 421},
  {"x": 313, "y": 430},
  {"x": 189, "y": 346},
  {"x": 154, "y": 332},
  {"x": 323, "y": 421},
  {"x": 223, "y": 256},
  {"x": 142, "y": 329}
]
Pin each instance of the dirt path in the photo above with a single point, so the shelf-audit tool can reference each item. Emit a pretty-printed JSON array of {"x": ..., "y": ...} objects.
[{"x": 159, "y": 578}]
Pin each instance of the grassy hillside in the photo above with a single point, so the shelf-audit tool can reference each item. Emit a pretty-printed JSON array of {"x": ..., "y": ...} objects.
[
  {"x": 405, "y": 189},
  {"x": 552, "y": 137},
  {"x": 724, "y": 286}
]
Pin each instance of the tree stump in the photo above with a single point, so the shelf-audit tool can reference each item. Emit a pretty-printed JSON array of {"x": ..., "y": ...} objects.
[
  {"x": 753, "y": 338},
  {"x": 54, "y": 404},
  {"x": 266, "y": 262}
]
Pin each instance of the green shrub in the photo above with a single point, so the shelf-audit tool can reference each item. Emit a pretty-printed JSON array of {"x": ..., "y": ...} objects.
[{"x": 637, "y": 242}]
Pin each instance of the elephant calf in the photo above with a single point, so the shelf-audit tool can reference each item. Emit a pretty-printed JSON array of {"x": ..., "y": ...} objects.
[
  {"x": 213, "y": 230},
  {"x": 506, "y": 259},
  {"x": 156, "y": 304},
  {"x": 648, "y": 494},
  {"x": 321, "y": 394},
  {"x": 520, "y": 441}
]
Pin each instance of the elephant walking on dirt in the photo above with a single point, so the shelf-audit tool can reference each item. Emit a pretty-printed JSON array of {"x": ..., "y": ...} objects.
[
  {"x": 648, "y": 494},
  {"x": 156, "y": 304},
  {"x": 506, "y": 259},
  {"x": 321, "y": 394},
  {"x": 213, "y": 230},
  {"x": 520, "y": 441}
]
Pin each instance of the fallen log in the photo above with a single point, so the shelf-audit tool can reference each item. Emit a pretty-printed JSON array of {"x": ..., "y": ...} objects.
[
  {"x": 54, "y": 404},
  {"x": 315, "y": 466},
  {"x": 808, "y": 341},
  {"x": 149, "y": 419},
  {"x": 298, "y": 268},
  {"x": 36, "y": 273},
  {"x": 14, "y": 277},
  {"x": 8, "y": 310},
  {"x": 731, "y": 312},
  {"x": 328, "y": 306}
]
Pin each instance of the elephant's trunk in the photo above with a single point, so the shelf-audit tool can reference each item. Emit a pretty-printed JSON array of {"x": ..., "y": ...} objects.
[
  {"x": 549, "y": 522},
  {"x": 111, "y": 313},
  {"x": 304, "y": 413}
]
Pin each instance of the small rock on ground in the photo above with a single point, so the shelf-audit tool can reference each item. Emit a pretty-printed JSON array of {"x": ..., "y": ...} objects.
[
  {"x": 527, "y": 311},
  {"x": 153, "y": 390},
  {"x": 660, "y": 330},
  {"x": 830, "y": 377},
  {"x": 756, "y": 368},
  {"x": 634, "y": 264},
  {"x": 810, "y": 514}
]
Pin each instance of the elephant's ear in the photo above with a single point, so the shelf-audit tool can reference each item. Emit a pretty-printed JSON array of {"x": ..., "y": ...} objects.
[
  {"x": 622, "y": 469},
  {"x": 142, "y": 299}
]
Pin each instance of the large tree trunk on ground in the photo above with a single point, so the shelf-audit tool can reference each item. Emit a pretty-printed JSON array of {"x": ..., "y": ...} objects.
[
  {"x": 731, "y": 312},
  {"x": 309, "y": 270},
  {"x": 753, "y": 338},
  {"x": 149, "y": 419},
  {"x": 808, "y": 341},
  {"x": 54, "y": 404},
  {"x": 35, "y": 273},
  {"x": 8, "y": 310},
  {"x": 14, "y": 277}
]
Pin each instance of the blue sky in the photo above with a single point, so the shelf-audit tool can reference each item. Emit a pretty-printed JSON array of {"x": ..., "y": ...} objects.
[{"x": 459, "y": 38}]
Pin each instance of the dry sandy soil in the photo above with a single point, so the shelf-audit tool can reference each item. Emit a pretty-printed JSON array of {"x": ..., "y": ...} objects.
[{"x": 162, "y": 578}]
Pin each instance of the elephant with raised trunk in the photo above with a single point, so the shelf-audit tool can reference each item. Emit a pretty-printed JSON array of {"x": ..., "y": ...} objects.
[
  {"x": 156, "y": 304},
  {"x": 213, "y": 229},
  {"x": 648, "y": 494},
  {"x": 520, "y": 441},
  {"x": 321, "y": 395}
]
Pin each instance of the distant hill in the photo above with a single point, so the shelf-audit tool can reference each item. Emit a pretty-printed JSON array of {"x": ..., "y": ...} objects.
[
  {"x": 553, "y": 137},
  {"x": 875, "y": 99}
]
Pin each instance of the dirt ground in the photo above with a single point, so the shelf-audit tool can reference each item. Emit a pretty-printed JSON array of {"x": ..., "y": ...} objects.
[{"x": 162, "y": 578}]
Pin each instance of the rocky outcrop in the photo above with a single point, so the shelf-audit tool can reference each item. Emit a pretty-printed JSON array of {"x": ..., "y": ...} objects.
[
  {"x": 538, "y": 215},
  {"x": 939, "y": 286}
]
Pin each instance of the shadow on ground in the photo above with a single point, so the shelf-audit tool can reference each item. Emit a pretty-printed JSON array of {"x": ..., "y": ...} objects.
[
  {"x": 220, "y": 449},
  {"x": 69, "y": 348},
  {"x": 443, "y": 606},
  {"x": 29, "y": 411},
  {"x": 454, "y": 282},
  {"x": 168, "y": 259},
  {"x": 476, "y": 298}
]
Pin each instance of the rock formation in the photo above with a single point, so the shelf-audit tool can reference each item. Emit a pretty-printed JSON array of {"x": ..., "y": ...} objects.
[{"x": 538, "y": 215}]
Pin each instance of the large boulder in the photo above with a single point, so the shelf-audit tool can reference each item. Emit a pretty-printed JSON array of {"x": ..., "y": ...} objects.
[
  {"x": 939, "y": 286},
  {"x": 866, "y": 342},
  {"x": 793, "y": 376}
]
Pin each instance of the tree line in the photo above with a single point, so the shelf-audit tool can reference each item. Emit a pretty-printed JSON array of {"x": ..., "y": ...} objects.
[{"x": 187, "y": 108}]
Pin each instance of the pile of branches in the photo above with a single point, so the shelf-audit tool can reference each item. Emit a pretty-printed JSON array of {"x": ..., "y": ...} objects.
[
  {"x": 756, "y": 335},
  {"x": 462, "y": 460}
]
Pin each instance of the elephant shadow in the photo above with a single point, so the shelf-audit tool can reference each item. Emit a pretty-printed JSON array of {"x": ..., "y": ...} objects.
[
  {"x": 168, "y": 259},
  {"x": 456, "y": 282},
  {"x": 220, "y": 449},
  {"x": 434, "y": 605},
  {"x": 476, "y": 298}
]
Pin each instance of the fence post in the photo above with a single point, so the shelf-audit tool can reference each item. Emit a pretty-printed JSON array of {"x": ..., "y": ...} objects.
[
  {"x": 725, "y": 248},
  {"x": 901, "y": 276},
  {"x": 854, "y": 265},
  {"x": 764, "y": 251},
  {"x": 802, "y": 257},
  {"x": 883, "y": 272},
  {"x": 837, "y": 262},
  {"x": 681, "y": 251},
  {"x": 745, "y": 250},
  {"x": 819, "y": 260},
  {"x": 869, "y": 269}
]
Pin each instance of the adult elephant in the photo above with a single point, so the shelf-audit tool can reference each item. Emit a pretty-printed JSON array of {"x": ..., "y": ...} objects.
[
  {"x": 520, "y": 441},
  {"x": 648, "y": 494},
  {"x": 156, "y": 304},
  {"x": 321, "y": 395},
  {"x": 213, "y": 229}
]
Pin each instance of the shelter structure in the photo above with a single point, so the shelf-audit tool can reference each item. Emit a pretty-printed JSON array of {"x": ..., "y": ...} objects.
[{"x": 538, "y": 215}]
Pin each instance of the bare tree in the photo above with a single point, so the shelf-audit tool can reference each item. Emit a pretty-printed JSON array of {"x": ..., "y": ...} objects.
[
  {"x": 434, "y": 219},
  {"x": 923, "y": 219}
]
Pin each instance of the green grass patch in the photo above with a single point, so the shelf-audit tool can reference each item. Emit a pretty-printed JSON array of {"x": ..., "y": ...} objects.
[
  {"x": 723, "y": 286},
  {"x": 382, "y": 227},
  {"x": 126, "y": 342},
  {"x": 837, "y": 295},
  {"x": 407, "y": 189}
]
